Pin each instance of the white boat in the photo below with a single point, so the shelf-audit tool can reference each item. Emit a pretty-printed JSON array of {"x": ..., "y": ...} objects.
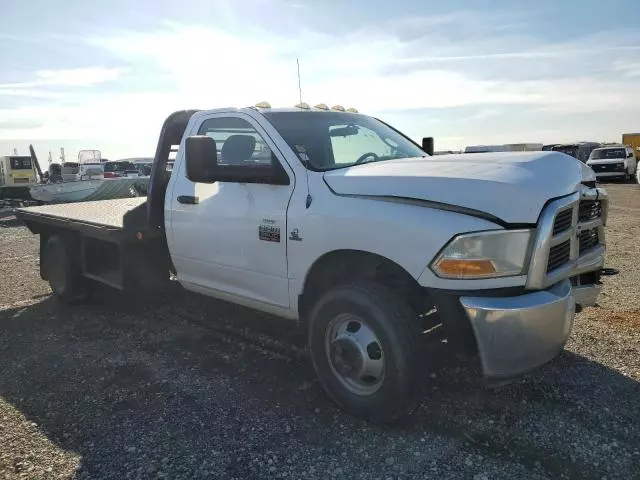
[
  {"x": 65, "y": 191},
  {"x": 89, "y": 190},
  {"x": 88, "y": 167}
]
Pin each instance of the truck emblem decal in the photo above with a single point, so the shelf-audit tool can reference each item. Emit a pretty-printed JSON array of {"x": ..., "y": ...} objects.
[
  {"x": 268, "y": 233},
  {"x": 295, "y": 235}
]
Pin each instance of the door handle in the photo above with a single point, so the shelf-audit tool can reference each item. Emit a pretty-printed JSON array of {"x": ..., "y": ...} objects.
[{"x": 188, "y": 199}]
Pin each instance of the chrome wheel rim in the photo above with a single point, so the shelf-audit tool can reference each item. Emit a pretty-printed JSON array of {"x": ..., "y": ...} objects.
[{"x": 355, "y": 354}]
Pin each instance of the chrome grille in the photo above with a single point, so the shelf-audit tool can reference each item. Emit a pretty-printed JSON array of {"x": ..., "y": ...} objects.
[
  {"x": 563, "y": 221},
  {"x": 608, "y": 167},
  {"x": 589, "y": 210},
  {"x": 588, "y": 239},
  {"x": 569, "y": 238},
  {"x": 559, "y": 255}
]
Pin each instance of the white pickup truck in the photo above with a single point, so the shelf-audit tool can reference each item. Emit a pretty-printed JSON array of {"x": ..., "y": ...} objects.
[{"x": 337, "y": 220}]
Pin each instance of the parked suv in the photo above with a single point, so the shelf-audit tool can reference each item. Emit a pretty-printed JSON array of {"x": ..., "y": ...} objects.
[{"x": 616, "y": 161}]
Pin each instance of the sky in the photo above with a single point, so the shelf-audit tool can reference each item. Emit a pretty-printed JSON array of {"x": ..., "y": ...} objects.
[{"x": 105, "y": 75}]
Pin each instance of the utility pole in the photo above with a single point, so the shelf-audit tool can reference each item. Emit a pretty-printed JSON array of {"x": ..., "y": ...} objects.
[{"x": 299, "y": 83}]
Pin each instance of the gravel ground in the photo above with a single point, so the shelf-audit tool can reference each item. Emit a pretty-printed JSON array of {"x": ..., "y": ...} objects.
[{"x": 195, "y": 388}]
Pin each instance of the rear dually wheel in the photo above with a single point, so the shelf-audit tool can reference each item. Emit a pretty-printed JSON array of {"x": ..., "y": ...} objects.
[{"x": 62, "y": 269}]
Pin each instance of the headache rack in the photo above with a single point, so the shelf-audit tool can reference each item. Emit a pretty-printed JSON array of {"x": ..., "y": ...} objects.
[{"x": 569, "y": 238}]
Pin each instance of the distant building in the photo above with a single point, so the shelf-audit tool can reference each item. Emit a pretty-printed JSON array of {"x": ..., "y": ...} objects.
[{"x": 507, "y": 147}]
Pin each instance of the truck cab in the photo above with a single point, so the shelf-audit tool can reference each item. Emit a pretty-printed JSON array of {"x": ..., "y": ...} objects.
[
  {"x": 337, "y": 220},
  {"x": 16, "y": 171},
  {"x": 17, "y": 175}
]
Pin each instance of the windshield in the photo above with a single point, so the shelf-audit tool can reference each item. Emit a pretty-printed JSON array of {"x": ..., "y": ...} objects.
[
  {"x": 569, "y": 150},
  {"x": 118, "y": 166},
  {"x": 330, "y": 140},
  {"x": 20, "y": 163},
  {"x": 608, "y": 153}
]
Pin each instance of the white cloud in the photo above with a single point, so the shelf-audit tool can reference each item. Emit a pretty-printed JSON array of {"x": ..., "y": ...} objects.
[
  {"x": 27, "y": 92},
  {"x": 75, "y": 77},
  {"x": 78, "y": 77},
  {"x": 240, "y": 70},
  {"x": 212, "y": 67},
  {"x": 626, "y": 68},
  {"x": 415, "y": 63}
]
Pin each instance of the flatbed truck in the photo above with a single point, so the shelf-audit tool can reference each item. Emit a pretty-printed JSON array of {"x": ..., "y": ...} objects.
[{"x": 335, "y": 219}]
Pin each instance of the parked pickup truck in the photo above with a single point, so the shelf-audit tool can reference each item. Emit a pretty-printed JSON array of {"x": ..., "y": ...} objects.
[{"x": 335, "y": 219}]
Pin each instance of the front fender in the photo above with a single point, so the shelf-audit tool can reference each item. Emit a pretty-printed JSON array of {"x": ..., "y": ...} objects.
[{"x": 406, "y": 234}]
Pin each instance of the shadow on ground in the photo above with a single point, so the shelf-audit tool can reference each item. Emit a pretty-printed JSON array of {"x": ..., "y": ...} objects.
[
  {"x": 9, "y": 222},
  {"x": 146, "y": 387}
]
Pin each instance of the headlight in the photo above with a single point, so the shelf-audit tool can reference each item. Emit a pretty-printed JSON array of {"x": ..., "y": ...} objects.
[{"x": 497, "y": 253}]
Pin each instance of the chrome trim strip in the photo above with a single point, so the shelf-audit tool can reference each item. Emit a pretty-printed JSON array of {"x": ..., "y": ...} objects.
[
  {"x": 604, "y": 198},
  {"x": 593, "y": 260},
  {"x": 560, "y": 273},
  {"x": 562, "y": 237},
  {"x": 589, "y": 224},
  {"x": 542, "y": 243},
  {"x": 592, "y": 193}
]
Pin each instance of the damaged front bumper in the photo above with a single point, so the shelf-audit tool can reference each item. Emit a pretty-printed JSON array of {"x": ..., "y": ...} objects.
[{"x": 517, "y": 334}]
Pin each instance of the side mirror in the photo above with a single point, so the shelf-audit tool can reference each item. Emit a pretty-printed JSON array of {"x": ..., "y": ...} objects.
[
  {"x": 201, "y": 158},
  {"x": 427, "y": 145}
]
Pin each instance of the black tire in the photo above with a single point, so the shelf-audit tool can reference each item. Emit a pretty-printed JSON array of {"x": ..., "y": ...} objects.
[
  {"x": 62, "y": 269},
  {"x": 395, "y": 326}
]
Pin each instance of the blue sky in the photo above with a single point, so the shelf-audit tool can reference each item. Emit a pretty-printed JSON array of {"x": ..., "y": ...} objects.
[{"x": 85, "y": 75}]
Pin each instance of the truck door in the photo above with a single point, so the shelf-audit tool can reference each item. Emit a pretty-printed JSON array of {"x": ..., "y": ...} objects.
[{"x": 234, "y": 239}]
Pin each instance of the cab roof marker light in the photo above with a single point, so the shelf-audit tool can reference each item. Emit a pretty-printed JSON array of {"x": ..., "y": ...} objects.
[
  {"x": 352, "y": 110},
  {"x": 339, "y": 108},
  {"x": 304, "y": 106},
  {"x": 322, "y": 106},
  {"x": 263, "y": 105}
]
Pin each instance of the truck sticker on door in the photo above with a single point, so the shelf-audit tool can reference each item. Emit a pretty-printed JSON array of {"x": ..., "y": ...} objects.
[
  {"x": 295, "y": 235},
  {"x": 269, "y": 233}
]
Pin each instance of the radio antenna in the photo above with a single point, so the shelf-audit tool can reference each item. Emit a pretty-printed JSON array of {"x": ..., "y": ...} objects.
[{"x": 299, "y": 84}]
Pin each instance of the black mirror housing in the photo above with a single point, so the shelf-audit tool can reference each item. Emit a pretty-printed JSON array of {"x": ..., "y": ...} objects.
[
  {"x": 201, "y": 159},
  {"x": 427, "y": 145}
]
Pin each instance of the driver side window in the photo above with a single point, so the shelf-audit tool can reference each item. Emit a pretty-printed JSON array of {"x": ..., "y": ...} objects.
[
  {"x": 237, "y": 142},
  {"x": 348, "y": 149}
]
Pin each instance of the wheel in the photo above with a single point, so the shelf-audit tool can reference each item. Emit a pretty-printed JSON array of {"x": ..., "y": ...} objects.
[
  {"x": 364, "y": 342},
  {"x": 62, "y": 270}
]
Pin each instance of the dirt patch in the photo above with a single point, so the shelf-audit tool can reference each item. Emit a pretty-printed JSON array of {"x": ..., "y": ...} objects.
[{"x": 630, "y": 320}]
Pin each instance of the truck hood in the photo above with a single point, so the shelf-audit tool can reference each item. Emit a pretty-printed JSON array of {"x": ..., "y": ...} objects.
[{"x": 512, "y": 186}]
